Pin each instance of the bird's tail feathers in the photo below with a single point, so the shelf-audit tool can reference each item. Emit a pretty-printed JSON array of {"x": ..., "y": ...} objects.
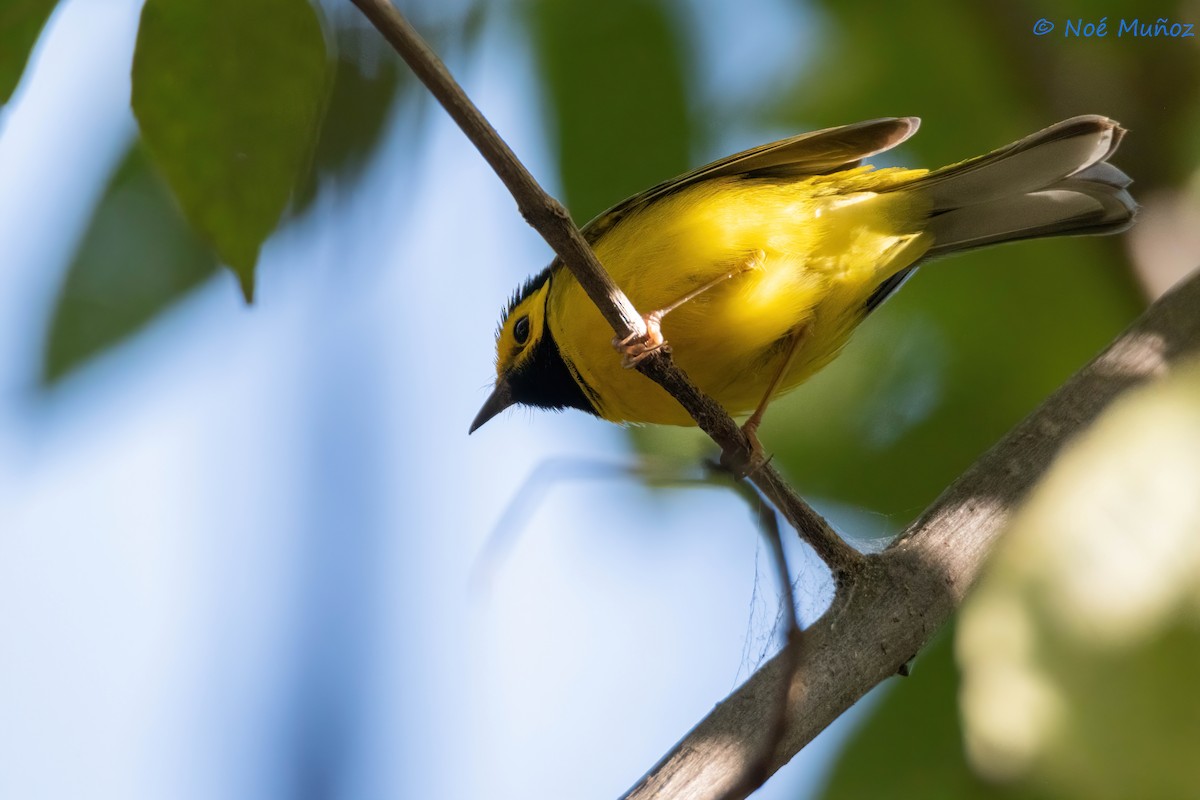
[{"x": 1056, "y": 182}]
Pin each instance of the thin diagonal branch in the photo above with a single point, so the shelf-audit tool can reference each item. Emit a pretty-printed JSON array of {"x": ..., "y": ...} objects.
[
  {"x": 552, "y": 221},
  {"x": 540, "y": 210},
  {"x": 774, "y": 723}
]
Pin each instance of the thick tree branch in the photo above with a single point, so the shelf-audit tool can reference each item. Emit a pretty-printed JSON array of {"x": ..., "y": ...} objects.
[
  {"x": 552, "y": 221},
  {"x": 909, "y": 591}
]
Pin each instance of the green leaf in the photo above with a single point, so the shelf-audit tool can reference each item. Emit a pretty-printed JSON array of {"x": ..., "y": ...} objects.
[
  {"x": 613, "y": 73},
  {"x": 229, "y": 94},
  {"x": 21, "y": 22},
  {"x": 137, "y": 257}
]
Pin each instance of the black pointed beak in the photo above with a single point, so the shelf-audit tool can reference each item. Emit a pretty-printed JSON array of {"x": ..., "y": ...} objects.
[{"x": 500, "y": 399}]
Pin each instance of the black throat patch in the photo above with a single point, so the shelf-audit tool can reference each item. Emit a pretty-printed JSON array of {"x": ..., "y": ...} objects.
[{"x": 545, "y": 380}]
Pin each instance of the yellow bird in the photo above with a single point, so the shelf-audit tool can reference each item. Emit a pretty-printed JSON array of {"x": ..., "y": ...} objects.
[{"x": 758, "y": 267}]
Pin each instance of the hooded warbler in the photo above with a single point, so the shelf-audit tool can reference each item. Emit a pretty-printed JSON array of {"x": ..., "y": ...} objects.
[{"x": 759, "y": 266}]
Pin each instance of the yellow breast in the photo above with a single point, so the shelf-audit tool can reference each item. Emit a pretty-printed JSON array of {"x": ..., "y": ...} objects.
[{"x": 815, "y": 250}]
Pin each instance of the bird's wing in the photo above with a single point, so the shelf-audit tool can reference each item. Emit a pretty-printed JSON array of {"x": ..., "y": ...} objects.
[{"x": 815, "y": 153}]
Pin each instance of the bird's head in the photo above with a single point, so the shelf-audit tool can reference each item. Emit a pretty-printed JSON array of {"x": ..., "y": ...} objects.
[{"x": 530, "y": 370}]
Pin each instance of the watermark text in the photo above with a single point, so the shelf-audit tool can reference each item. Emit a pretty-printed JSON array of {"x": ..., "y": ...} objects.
[{"x": 1080, "y": 28}]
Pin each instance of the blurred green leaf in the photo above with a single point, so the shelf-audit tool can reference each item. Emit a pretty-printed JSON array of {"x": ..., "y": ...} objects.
[
  {"x": 21, "y": 22},
  {"x": 229, "y": 94},
  {"x": 366, "y": 82},
  {"x": 941, "y": 61},
  {"x": 1081, "y": 645},
  {"x": 614, "y": 77},
  {"x": 137, "y": 257},
  {"x": 910, "y": 746}
]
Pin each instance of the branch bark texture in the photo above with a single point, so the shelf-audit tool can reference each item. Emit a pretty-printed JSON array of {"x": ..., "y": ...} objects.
[{"x": 907, "y": 592}]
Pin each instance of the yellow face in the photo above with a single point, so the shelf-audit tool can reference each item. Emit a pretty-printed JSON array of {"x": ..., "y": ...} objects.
[
  {"x": 519, "y": 331},
  {"x": 530, "y": 370}
]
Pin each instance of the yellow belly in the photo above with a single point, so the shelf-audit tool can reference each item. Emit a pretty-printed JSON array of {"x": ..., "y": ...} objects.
[{"x": 819, "y": 248}]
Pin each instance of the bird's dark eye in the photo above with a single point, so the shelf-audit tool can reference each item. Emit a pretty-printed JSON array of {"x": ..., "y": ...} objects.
[{"x": 521, "y": 330}]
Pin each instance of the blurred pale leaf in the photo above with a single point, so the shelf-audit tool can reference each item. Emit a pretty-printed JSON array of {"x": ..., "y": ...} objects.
[
  {"x": 137, "y": 256},
  {"x": 229, "y": 94},
  {"x": 21, "y": 22},
  {"x": 1165, "y": 244},
  {"x": 367, "y": 79},
  {"x": 614, "y": 80},
  {"x": 1081, "y": 645},
  {"x": 910, "y": 746}
]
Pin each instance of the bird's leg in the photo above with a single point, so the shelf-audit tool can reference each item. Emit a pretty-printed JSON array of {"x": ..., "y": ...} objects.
[
  {"x": 635, "y": 348},
  {"x": 750, "y": 426}
]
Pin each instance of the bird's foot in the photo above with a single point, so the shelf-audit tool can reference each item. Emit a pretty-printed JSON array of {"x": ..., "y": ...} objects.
[{"x": 636, "y": 348}]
